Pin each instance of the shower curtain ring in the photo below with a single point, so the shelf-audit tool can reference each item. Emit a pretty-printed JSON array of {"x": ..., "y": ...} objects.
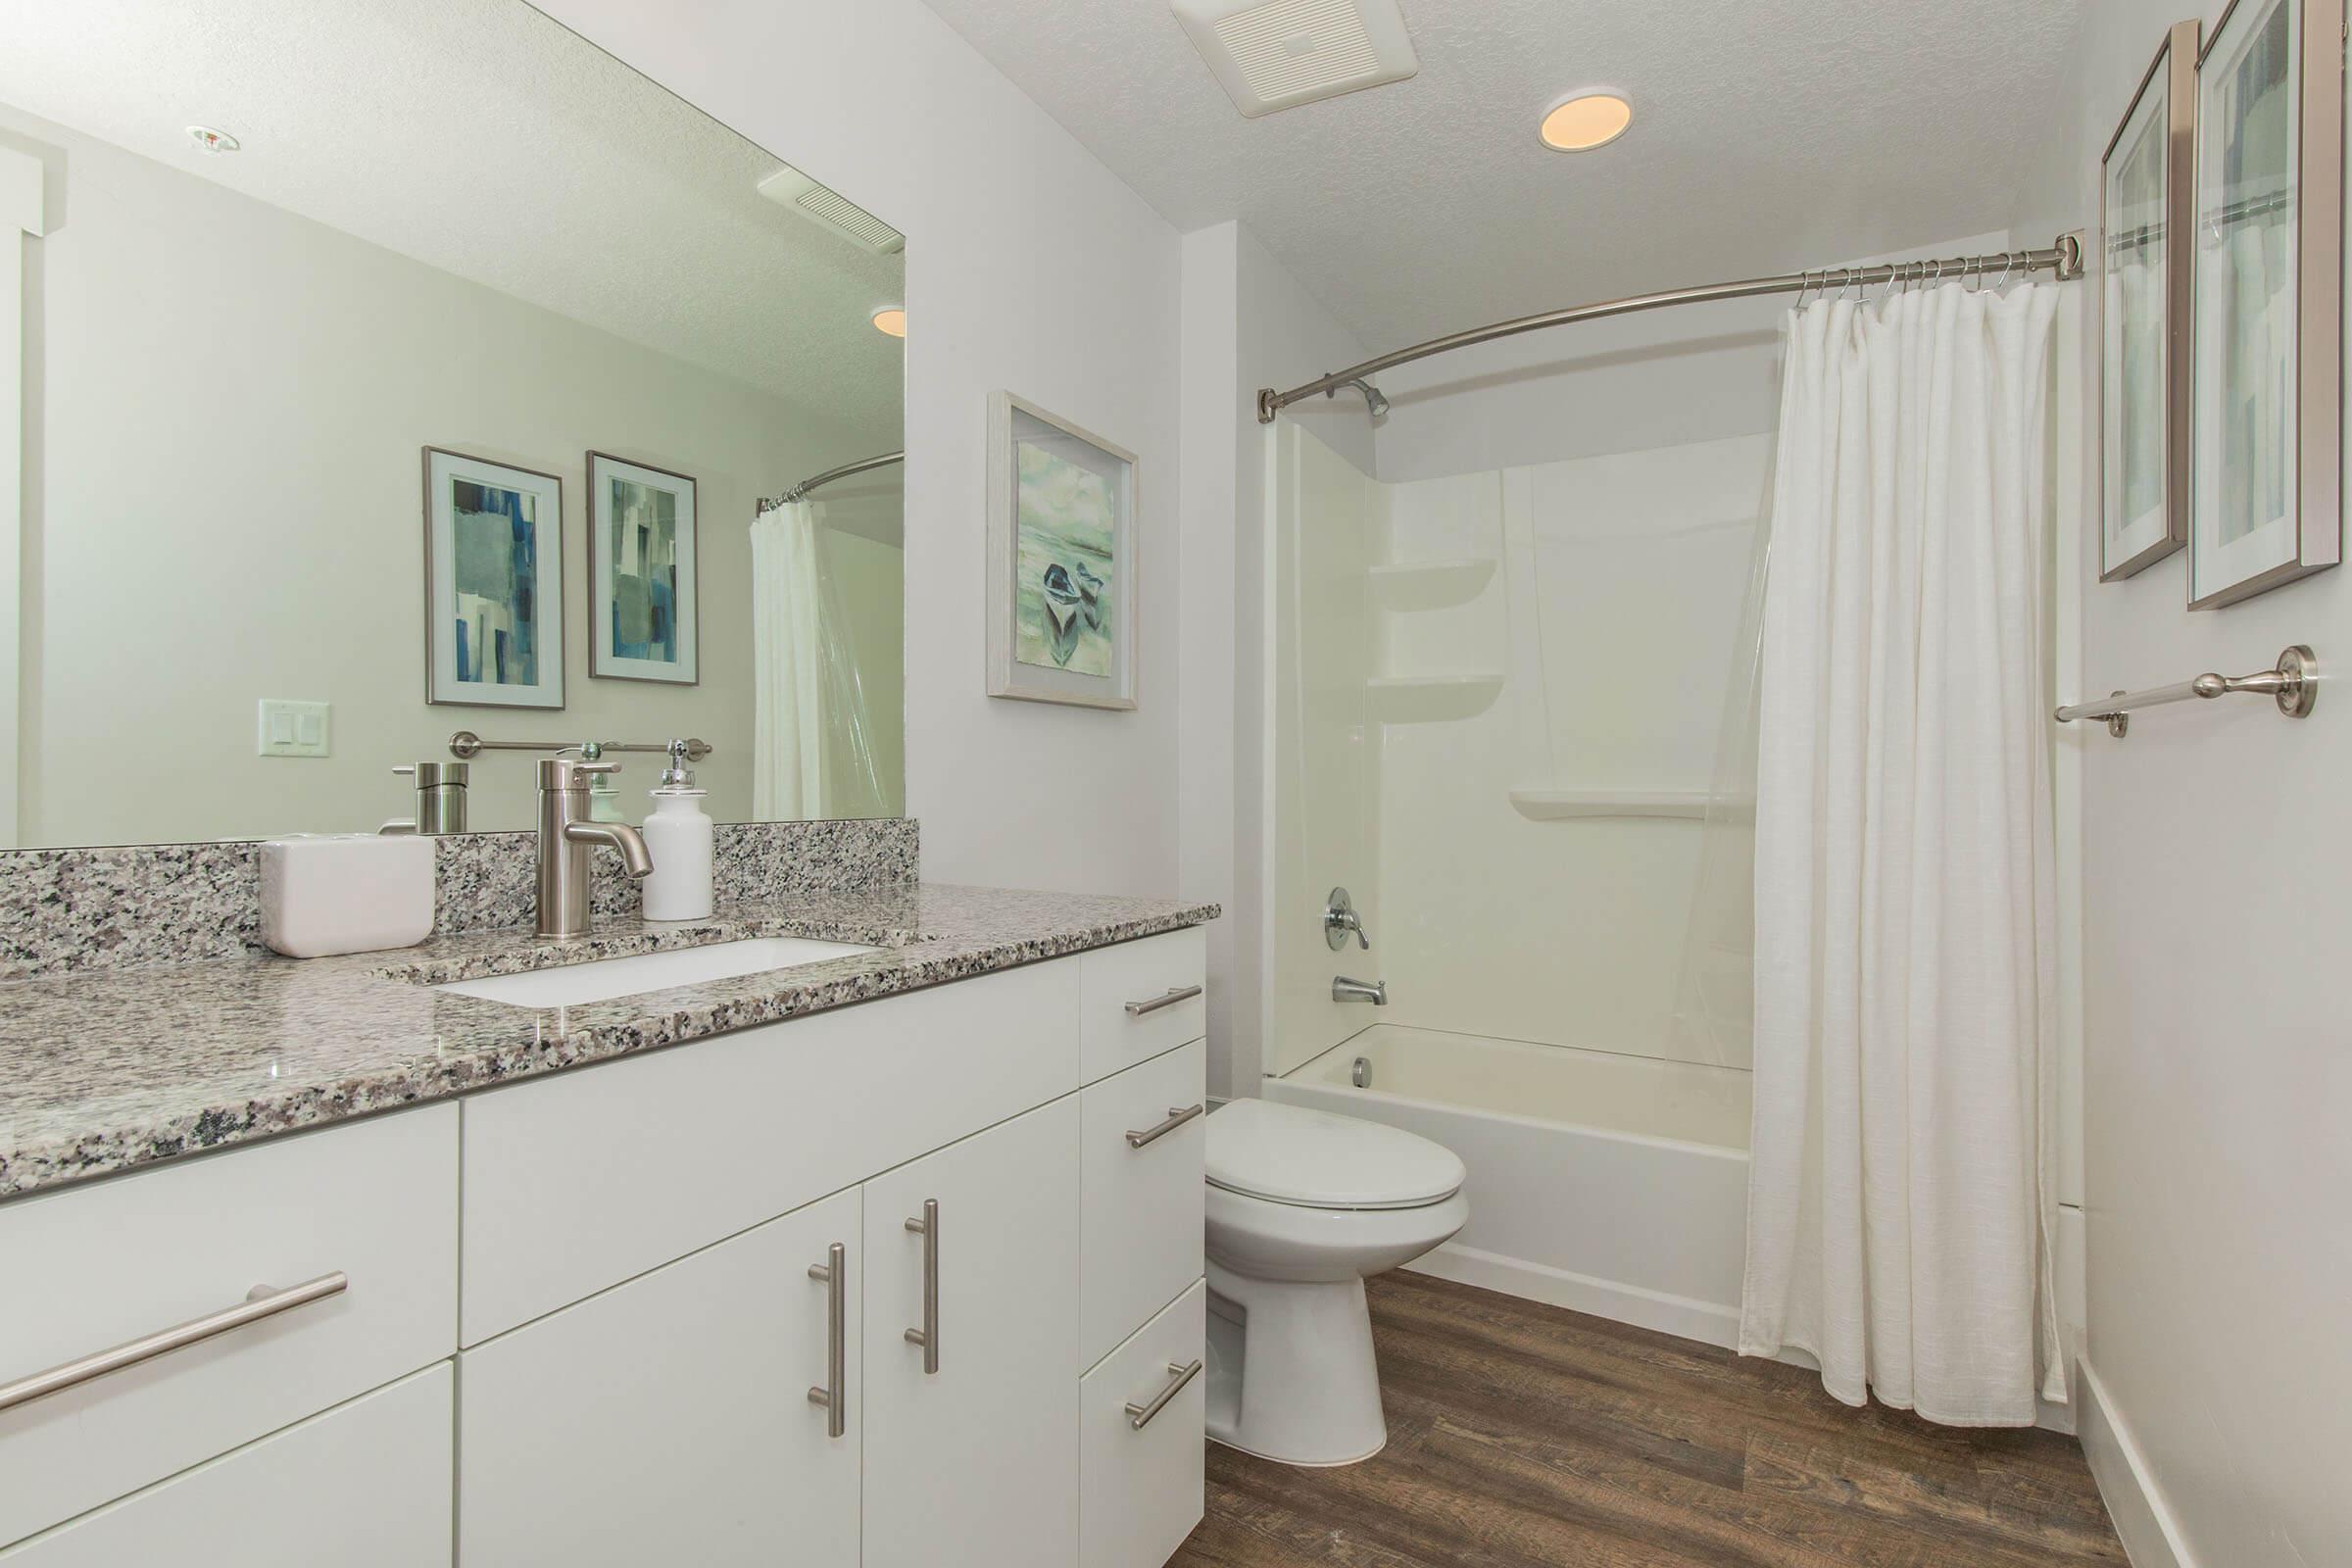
[
  {"x": 2008, "y": 259},
  {"x": 1804, "y": 283}
]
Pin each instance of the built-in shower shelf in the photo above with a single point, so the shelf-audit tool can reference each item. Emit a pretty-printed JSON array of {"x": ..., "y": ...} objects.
[
  {"x": 1554, "y": 805},
  {"x": 1430, "y": 584},
  {"x": 1429, "y": 699}
]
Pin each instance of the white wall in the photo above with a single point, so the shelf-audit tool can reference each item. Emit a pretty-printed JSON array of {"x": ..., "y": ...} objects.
[
  {"x": 231, "y": 402},
  {"x": 1633, "y": 383},
  {"x": 1029, "y": 267},
  {"x": 1247, "y": 323},
  {"x": 2218, "y": 1082}
]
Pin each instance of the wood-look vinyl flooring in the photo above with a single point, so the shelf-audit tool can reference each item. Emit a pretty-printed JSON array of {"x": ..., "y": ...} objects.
[{"x": 1523, "y": 1435}]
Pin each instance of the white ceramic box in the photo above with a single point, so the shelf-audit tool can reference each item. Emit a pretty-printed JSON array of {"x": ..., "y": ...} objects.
[{"x": 332, "y": 893}]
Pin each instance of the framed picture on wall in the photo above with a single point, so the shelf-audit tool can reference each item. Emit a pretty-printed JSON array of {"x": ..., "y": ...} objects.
[
  {"x": 494, "y": 583},
  {"x": 2267, "y": 449},
  {"x": 642, "y": 621},
  {"x": 2148, "y": 191},
  {"x": 1060, "y": 561}
]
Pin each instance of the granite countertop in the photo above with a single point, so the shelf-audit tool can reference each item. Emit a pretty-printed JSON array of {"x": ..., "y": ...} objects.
[{"x": 105, "y": 1073}]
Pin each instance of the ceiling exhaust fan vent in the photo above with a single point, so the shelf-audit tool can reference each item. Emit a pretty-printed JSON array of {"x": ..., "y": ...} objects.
[
  {"x": 789, "y": 187},
  {"x": 1278, "y": 54}
]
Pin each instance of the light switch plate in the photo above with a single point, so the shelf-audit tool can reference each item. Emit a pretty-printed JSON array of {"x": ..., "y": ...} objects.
[{"x": 290, "y": 728}]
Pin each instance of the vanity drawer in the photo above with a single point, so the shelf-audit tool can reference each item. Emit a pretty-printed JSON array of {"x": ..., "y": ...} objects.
[
  {"x": 94, "y": 1267},
  {"x": 581, "y": 1180},
  {"x": 1140, "y": 1488},
  {"x": 1141, "y": 1228},
  {"x": 363, "y": 1485},
  {"x": 1130, "y": 1002}
]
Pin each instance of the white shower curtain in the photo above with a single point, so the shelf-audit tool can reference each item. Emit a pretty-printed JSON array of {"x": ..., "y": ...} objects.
[
  {"x": 788, "y": 762},
  {"x": 1899, "y": 1205}
]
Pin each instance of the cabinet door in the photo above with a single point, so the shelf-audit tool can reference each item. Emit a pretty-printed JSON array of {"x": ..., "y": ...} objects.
[
  {"x": 976, "y": 1462},
  {"x": 669, "y": 1418},
  {"x": 363, "y": 1485}
]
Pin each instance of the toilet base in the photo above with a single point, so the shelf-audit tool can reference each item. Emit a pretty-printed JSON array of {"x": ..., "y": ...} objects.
[{"x": 1291, "y": 1376}]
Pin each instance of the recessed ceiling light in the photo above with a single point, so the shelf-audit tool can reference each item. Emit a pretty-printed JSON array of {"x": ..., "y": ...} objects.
[
  {"x": 214, "y": 141},
  {"x": 1583, "y": 120},
  {"x": 892, "y": 320}
]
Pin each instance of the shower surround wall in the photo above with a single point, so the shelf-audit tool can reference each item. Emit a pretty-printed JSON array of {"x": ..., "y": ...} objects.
[
  {"x": 1447, "y": 653},
  {"x": 1326, "y": 786},
  {"x": 1446, "y": 645},
  {"x": 1610, "y": 618}
]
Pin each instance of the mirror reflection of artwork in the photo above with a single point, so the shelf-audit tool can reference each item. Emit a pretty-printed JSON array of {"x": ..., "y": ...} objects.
[
  {"x": 643, "y": 595},
  {"x": 1061, "y": 560},
  {"x": 494, "y": 552},
  {"x": 2146, "y": 218},
  {"x": 1066, "y": 565}
]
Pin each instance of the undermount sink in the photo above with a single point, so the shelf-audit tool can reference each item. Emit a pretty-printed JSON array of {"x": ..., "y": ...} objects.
[{"x": 569, "y": 985}]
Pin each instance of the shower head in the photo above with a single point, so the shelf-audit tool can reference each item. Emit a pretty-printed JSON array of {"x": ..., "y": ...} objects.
[{"x": 1374, "y": 403}]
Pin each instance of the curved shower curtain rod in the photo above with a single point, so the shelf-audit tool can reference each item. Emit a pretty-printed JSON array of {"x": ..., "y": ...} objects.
[
  {"x": 769, "y": 504},
  {"x": 2063, "y": 258}
]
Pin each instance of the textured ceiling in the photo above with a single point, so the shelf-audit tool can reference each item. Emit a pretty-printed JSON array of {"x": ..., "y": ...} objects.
[
  {"x": 1768, "y": 135},
  {"x": 481, "y": 137}
]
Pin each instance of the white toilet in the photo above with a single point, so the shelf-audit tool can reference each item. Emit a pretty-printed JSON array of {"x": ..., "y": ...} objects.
[{"x": 1303, "y": 1206}]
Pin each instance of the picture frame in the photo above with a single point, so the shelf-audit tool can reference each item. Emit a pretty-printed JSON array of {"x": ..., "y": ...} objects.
[
  {"x": 2267, "y": 353},
  {"x": 644, "y": 620},
  {"x": 2147, "y": 217},
  {"x": 1061, "y": 560},
  {"x": 494, "y": 583}
]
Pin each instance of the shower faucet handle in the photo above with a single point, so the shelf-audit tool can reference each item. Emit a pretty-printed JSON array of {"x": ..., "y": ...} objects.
[{"x": 1340, "y": 922}]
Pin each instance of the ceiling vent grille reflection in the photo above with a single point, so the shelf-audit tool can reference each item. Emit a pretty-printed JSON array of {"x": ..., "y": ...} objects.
[{"x": 791, "y": 188}]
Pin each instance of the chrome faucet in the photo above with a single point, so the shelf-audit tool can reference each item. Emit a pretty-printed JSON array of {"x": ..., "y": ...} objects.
[
  {"x": 1341, "y": 921},
  {"x": 564, "y": 837},
  {"x": 1376, "y": 992}
]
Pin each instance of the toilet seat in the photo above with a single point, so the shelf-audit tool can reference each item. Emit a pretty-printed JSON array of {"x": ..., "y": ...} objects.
[{"x": 1312, "y": 1159}]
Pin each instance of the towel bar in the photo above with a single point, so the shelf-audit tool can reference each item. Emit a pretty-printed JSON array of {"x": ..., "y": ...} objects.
[{"x": 2294, "y": 681}]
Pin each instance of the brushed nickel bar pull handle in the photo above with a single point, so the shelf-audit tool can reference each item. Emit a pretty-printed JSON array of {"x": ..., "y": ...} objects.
[
  {"x": 927, "y": 1337},
  {"x": 262, "y": 1302},
  {"x": 1139, "y": 1417},
  {"x": 834, "y": 1395},
  {"x": 1178, "y": 1115},
  {"x": 1173, "y": 995}
]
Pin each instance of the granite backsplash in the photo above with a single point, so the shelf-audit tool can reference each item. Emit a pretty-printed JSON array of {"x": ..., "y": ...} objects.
[{"x": 65, "y": 911}]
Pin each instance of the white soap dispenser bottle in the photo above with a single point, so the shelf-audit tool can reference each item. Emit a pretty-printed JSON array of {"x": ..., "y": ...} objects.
[{"x": 677, "y": 835}]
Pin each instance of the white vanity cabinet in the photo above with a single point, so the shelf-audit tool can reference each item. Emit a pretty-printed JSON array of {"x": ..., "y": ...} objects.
[
  {"x": 83, "y": 1271},
  {"x": 667, "y": 1419},
  {"x": 363, "y": 1485},
  {"x": 907, "y": 1283},
  {"x": 976, "y": 1444}
]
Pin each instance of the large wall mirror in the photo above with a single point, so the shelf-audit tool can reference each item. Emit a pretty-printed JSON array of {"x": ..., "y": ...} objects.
[{"x": 394, "y": 368}]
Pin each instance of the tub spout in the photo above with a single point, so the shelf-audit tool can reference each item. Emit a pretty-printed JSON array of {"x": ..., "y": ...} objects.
[{"x": 1376, "y": 992}]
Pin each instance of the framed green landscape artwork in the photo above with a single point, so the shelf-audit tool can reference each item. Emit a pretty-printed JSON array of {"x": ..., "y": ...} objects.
[{"x": 1061, "y": 560}]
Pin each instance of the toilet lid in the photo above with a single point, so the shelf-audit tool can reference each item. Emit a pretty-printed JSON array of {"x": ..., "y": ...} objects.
[{"x": 1288, "y": 1154}]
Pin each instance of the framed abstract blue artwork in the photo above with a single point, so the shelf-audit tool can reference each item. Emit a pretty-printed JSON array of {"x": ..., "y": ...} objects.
[
  {"x": 494, "y": 583},
  {"x": 641, "y": 587}
]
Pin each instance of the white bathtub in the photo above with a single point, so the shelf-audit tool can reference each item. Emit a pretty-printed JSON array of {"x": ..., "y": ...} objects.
[{"x": 1613, "y": 1185}]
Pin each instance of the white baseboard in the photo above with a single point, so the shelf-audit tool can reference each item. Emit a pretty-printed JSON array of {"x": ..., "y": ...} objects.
[
  {"x": 2151, "y": 1537},
  {"x": 1704, "y": 1321},
  {"x": 1707, "y": 1322}
]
